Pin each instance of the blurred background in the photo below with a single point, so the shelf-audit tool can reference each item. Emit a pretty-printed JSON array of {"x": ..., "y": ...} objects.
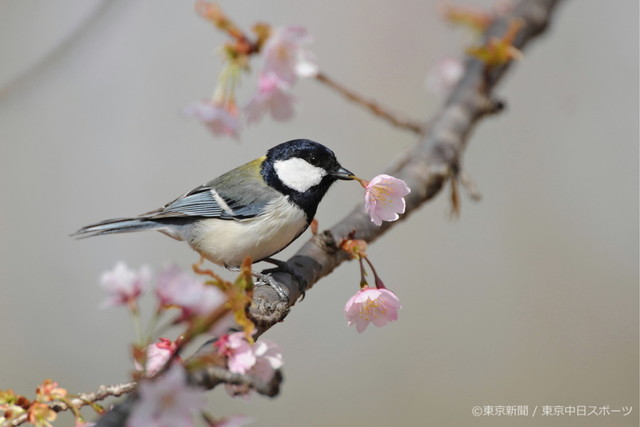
[{"x": 529, "y": 298}]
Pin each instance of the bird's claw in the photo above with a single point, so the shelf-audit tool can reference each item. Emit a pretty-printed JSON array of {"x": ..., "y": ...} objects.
[{"x": 268, "y": 279}]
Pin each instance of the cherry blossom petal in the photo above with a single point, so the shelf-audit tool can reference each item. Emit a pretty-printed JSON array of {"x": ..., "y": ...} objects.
[
  {"x": 286, "y": 56},
  {"x": 177, "y": 288},
  {"x": 220, "y": 120},
  {"x": 261, "y": 359},
  {"x": 236, "y": 348},
  {"x": 273, "y": 97},
  {"x": 158, "y": 354},
  {"x": 241, "y": 358}
]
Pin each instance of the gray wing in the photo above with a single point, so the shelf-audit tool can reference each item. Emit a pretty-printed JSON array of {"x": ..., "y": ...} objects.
[
  {"x": 238, "y": 194},
  {"x": 247, "y": 198},
  {"x": 205, "y": 202},
  {"x": 198, "y": 202}
]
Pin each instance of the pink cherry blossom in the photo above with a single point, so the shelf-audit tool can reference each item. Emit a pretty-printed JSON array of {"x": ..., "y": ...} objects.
[
  {"x": 379, "y": 306},
  {"x": 177, "y": 288},
  {"x": 236, "y": 348},
  {"x": 274, "y": 97},
  {"x": 221, "y": 120},
  {"x": 167, "y": 402},
  {"x": 158, "y": 354},
  {"x": 384, "y": 198},
  {"x": 444, "y": 75},
  {"x": 286, "y": 56},
  {"x": 124, "y": 285},
  {"x": 261, "y": 359}
]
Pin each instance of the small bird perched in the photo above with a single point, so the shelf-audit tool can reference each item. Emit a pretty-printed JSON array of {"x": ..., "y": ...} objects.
[{"x": 255, "y": 210}]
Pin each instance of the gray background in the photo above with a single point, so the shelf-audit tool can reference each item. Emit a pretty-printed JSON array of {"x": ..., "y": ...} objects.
[{"x": 530, "y": 298}]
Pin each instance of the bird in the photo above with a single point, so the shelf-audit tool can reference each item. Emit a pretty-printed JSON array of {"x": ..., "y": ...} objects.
[{"x": 255, "y": 210}]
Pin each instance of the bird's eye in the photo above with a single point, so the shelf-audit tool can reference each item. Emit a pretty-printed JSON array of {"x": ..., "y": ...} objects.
[{"x": 313, "y": 159}]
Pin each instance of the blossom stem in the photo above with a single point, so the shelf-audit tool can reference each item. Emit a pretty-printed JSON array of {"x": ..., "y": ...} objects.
[
  {"x": 225, "y": 90},
  {"x": 363, "y": 273},
  {"x": 163, "y": 328},
  {"x": 379, "y": 283},
  {"x": 135, "y": 317},
  {"x": 152, "y": 325},
  {"x": 363, "y": 182}
]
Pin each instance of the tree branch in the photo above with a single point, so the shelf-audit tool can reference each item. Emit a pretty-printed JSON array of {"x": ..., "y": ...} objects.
[
  {"x": 436, "y": 158},
  {"x": 211, "y": 376}
]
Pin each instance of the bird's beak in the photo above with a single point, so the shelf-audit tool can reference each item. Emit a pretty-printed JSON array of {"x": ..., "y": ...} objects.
[{"x": 343, "y": 173}]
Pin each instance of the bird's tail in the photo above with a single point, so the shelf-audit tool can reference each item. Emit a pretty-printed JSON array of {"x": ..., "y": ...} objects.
[{"x": 116, "y": 225}]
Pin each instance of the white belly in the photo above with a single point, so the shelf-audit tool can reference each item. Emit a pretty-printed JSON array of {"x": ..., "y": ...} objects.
[{"x": 229, "y": 242}]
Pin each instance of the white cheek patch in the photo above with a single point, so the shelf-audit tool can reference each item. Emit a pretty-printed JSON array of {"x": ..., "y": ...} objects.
[{"x": 298, "y": 174}]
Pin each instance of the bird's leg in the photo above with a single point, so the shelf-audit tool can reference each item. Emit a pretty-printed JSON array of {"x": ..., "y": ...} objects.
[{"x": 282, "y": 266}]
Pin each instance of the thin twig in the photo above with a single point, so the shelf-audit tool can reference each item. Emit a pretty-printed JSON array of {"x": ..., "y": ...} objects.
[
  {"x": 84, "y": 399},
  {"x": 372, "y": 106}
]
